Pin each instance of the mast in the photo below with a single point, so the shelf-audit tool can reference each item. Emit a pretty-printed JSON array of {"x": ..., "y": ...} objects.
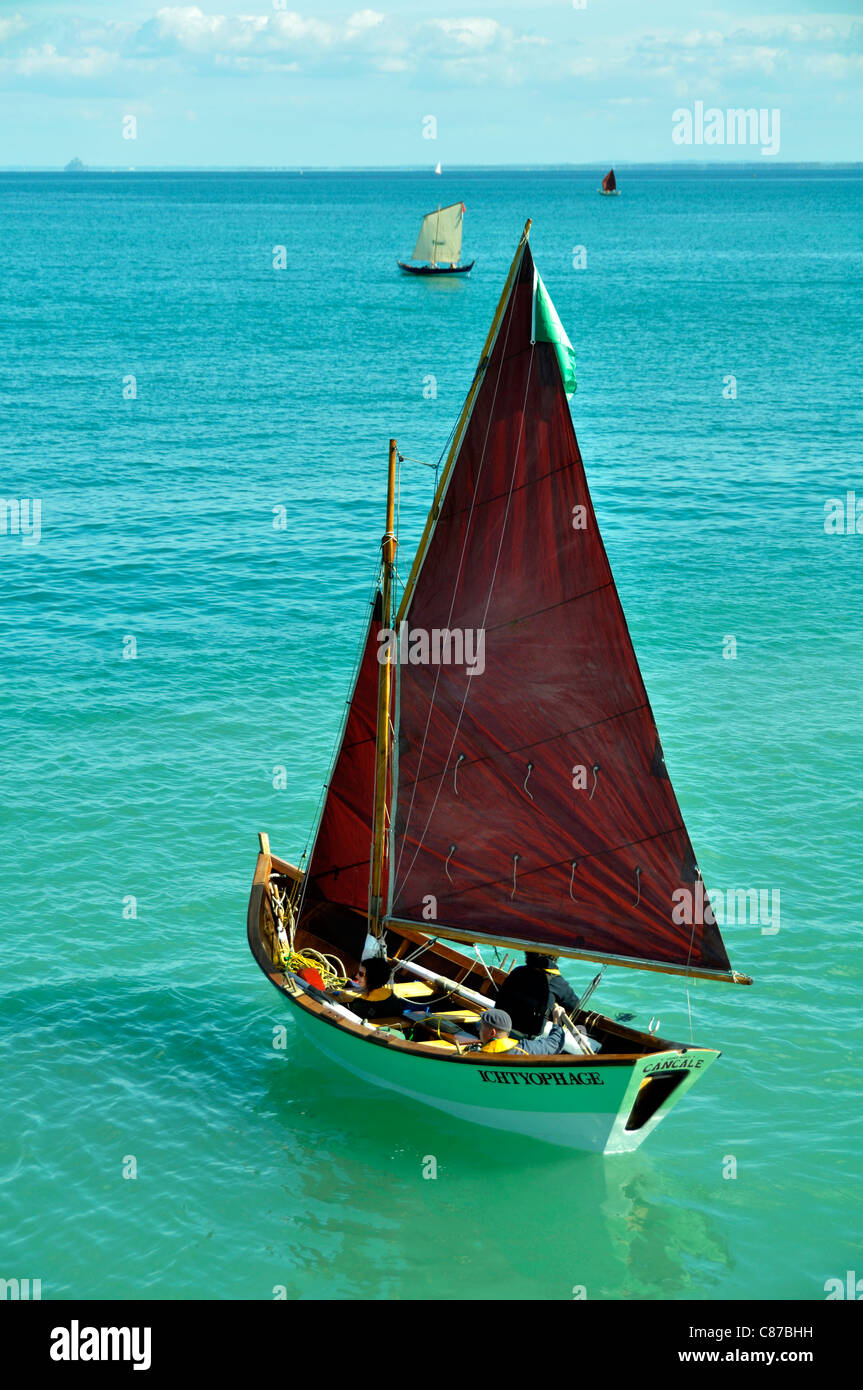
[
  {"x": 436, "y": 230},
  {"x": 382, "y": 749}
]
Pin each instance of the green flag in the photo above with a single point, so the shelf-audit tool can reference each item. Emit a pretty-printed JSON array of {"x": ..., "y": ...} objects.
[{"x": 549, "y": 329}]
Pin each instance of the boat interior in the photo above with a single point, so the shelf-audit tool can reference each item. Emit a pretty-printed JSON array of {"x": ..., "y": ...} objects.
[{"x": 440, "y": 988}]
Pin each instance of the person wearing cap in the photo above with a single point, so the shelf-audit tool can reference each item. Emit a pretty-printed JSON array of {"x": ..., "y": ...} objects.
[{"x": 494, "y": 1030}]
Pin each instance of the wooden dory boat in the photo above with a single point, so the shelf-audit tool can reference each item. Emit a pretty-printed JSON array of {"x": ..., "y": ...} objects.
[
  {"x": 525, "y": 804},
  {"x": 439, "y": 243},
  {"x": 436, "y": 269}
]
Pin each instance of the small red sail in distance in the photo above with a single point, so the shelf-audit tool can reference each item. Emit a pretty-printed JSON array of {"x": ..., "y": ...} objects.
[
  {"x": 532, "y": 803},
  {"x": 338, "y": 869},
  {"x": 609, "y": 183}
]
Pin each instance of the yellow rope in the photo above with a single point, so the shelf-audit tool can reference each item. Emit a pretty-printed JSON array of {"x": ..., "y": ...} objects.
[{"x": 331, "y": 969}]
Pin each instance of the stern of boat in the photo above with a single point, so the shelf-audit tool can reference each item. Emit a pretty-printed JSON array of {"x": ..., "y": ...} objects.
[{"x": 658, "y": 1081}]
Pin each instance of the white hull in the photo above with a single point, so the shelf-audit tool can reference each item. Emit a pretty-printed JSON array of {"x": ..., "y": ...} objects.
[
  {"x": 590, "y": 1112},
  {"x": 607, "y": 1103}
]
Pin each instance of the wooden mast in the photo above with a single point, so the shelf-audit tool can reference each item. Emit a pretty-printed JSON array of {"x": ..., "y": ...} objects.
[{"x": 382, "y": 751}]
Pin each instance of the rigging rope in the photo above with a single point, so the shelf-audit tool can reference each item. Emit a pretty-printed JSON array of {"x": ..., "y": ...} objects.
[
  {"x": 452, "y": 601},
  {"x": 330, "y": 968},
  {"x": 479, "y": 957},
  {"x": 516, "y": 452},
  {"x": 298, "y": 894}
]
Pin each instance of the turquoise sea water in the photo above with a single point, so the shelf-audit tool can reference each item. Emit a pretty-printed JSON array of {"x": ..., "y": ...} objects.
[{"x": 150, "y": 1037}]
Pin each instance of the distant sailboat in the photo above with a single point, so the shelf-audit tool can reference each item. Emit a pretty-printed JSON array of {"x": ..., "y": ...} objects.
[
  {"x": 609, "y": 185},
  {"x": 439, "y": 241},
  {"x": 438, "y": 168}
]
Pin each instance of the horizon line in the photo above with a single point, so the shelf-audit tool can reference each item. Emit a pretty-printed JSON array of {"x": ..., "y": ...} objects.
[{"x": 590, "y": 167}]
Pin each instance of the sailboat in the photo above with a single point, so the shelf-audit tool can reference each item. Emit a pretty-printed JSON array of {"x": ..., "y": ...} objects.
[
  {"x": 439, "y": 243},
  {"x": 438, "y": 169},
  {"x": 499, "y": 782},
  {"x": 609, "y": 185}
]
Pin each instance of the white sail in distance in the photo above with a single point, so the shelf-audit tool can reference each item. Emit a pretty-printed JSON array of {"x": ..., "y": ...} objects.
[{"x": 440, "y": 235}]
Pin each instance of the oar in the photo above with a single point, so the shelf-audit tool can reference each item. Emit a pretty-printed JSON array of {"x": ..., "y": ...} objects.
[
  {"x": 579, "y": 1008},
  {"x": 570, "y": 1028}
]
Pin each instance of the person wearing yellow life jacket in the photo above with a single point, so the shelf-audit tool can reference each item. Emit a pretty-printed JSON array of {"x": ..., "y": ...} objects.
[
  {"x": 494, "y": 1029},
  {"x": 377, "y": 998}
]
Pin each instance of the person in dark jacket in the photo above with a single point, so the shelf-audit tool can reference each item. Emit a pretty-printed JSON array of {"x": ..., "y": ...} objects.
[
  {"x": 526, "y": 996},
  {"x": 494, "y": 1030},
  {"x": 529, "y": 993},
  {"x": 377, "y": 998},
  {"x": 561, "y": 992}
]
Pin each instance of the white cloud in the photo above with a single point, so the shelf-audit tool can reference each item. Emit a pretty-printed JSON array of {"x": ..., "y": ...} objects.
[
  {"x": 476, "y": 35},
  {"x": 15, "y": 24},
  {"x": 364, "y": 20},
  {"x": 181, "y": 39},
  {"x": 45, "y": 60}
]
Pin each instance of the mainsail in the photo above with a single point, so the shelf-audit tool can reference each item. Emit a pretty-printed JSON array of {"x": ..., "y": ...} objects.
[
  {"x": 532, "y": 803},
  {"x": 440, "y": 235},
  {"x": 339, "y": 866},
  {"x": 609, "y": 183}
]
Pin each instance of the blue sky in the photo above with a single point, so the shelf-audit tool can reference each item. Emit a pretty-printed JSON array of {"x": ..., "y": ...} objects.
[{"x": 509, "y": 82}]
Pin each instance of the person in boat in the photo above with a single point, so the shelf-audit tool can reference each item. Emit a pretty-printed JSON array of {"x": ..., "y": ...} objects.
[
  {"x": 530, "y": 992},
  {"x": 495, "y": 1026},
  {"x": 561, "y": 991},
  {"x": 377, "y": 998}
]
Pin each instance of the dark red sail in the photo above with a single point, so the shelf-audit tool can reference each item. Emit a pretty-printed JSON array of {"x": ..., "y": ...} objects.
[
  {"x": 609, "y": 183},
  {"x": 533, "y": 804},
  {"x": 339, "y": 866}
]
